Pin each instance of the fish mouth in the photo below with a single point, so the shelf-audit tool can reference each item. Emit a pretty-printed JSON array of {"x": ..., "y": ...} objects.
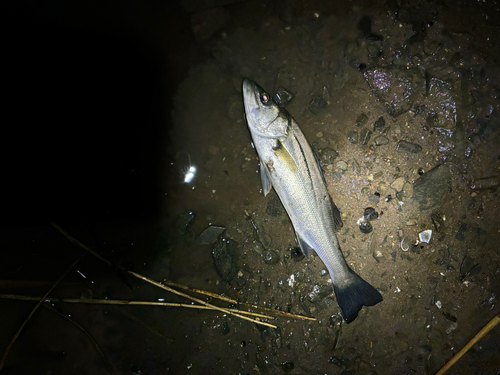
[{"x": 251, "y": 99}]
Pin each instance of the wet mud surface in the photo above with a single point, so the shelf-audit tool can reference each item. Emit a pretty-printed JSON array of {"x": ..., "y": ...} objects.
[{"x": 400, "y": 102}]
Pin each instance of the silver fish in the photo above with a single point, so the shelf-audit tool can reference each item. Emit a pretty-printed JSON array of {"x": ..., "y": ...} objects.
[{"x": 288, "y": 164}]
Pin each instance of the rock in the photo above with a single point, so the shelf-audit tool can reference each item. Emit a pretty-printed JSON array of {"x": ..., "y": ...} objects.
[
  {"x": 407, "y": 191},
  {"x": 404, "y": 146},
  {"x": 342, "y": 165},
  {"x": 379, "y": 124},
  {"x": 208, "y": 22},
  {"x": 374, "y": 199},
  {"x": 209, "y": 235},
  {"x": 411, "y": 222},
  {"x": 394, "y": 88},
  {"x": 283, "y": 96},
  {"x": 430, "y": 190},
  {"x": 224, "y": 254},
  {"x": 271, "y": 257},
  {"x": 486, "y": 183},
  {"x": 319, "y": 293},
  {"x": 353, "y": 136},
  {"x": 364, "y": 136},
  {"x": 381, "y": 140},
  {"x": 318, "y": 106},
  {"x": 365, "y": 226},
  {"x": 361, "y": 120},
  {"x": 327, "y": 156},
  {"x": 382, "y": 187},
  {"x": 260, "y": 232},
  {"x": 437, "y": 220},
  {"x": 441, "y": 103},
  {"x": 370, "y": 213},
  {"x": 296, "y": 254},
  {"x": 398, "y": 183}
]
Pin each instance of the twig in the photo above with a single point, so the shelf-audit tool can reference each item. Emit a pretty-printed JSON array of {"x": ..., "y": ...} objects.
[
  {"x": 488, "y": 327},
  {"x": 227, "y": 299},
  {"x": 78, "y": 243},
  {"x": 84, "y": 331},
  {"x": 279, "y": 312},
  {"x": 162, "y": 286},
  {"x": 204, "y": 292},
  {"x": 124, "y": 302},
  {"x": 6, "y": 353}
]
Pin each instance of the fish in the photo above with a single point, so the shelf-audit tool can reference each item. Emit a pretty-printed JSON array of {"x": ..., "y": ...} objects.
[{"x": 289, "y": 165}]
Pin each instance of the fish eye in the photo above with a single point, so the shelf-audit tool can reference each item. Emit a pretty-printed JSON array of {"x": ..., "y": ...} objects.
[{"x": 265, "y": 98}]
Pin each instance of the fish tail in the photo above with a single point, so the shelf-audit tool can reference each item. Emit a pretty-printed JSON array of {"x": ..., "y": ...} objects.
[{"x": 355, "y": 294}]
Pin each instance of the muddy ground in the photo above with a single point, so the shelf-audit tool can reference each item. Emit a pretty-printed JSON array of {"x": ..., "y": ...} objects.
[{"x": 400, "y": 102}]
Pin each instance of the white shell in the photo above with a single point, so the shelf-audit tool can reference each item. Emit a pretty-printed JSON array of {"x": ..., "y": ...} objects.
[{"x": 425, "y": 236}]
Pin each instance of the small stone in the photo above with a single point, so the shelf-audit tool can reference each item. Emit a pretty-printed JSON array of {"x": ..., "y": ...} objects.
[
  {"x": 353, "y": 136},
  {"x": 342, "y": 165},
  {"x": 411, "y": 222},
  {"x": 271, "y": 257},
  {"x": 318, "y": 106},
  {"x": 364, "y": 136},
  {"x": 453, "y": 326},
  {"x": 407, "y": 191},
  {"x": 283, "y": 96},
  {"x": 365, "y": 226},
  {"x": 336, "y": 177},
  {"x": 224, "y": 254},
  {"x": 361, "y": 120},
  {"x": 296, "y": 254},
  {"x": 382, "y": 187},
  {"x": 374, "y": 199},
  {"x": 486, "y": 183},
  {"x": 379, "y": 124},
  {"x": 437, "y": 220},
  {"x": 404, "y": 146},
  {"x": 370, "y": 213},
  {"x": 381, "y": 140},
  {"x": 327, "y": 156},
  {"x": 209, "y": 235},
  {"x": 398, "y": 183},
  {"x": 319, "y": 293}
]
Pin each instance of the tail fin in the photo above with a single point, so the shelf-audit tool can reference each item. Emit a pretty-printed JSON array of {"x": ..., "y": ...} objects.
[{"x": 355, "y": 294}]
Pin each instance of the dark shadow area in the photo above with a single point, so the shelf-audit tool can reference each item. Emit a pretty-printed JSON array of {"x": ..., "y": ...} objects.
[{"x": 82, "y": 123}]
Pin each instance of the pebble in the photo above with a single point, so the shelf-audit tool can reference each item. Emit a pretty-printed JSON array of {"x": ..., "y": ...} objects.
[
  {"x": 398, "y": 183},
  {"x": 381, "y": 140}
]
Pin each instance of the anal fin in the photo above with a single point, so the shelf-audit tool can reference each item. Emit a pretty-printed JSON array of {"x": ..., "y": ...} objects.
[{"x": 307, "y": 250}]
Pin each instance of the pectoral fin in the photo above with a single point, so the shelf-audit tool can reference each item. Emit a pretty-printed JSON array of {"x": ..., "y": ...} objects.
[{"x": 266, "y": 178}]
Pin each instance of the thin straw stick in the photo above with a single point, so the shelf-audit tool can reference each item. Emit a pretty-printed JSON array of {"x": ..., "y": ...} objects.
[
  {"x": 488, "y": 327},
  {"x": 223, "y": 298},
  {"x": 159, "y": 285},
  {"x": 6, "y": 353},
  {"x": 123, "y": 302}
]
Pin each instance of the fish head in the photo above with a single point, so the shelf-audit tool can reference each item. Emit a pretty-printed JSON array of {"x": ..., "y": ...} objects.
[{"x": 264, "y": 116}]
